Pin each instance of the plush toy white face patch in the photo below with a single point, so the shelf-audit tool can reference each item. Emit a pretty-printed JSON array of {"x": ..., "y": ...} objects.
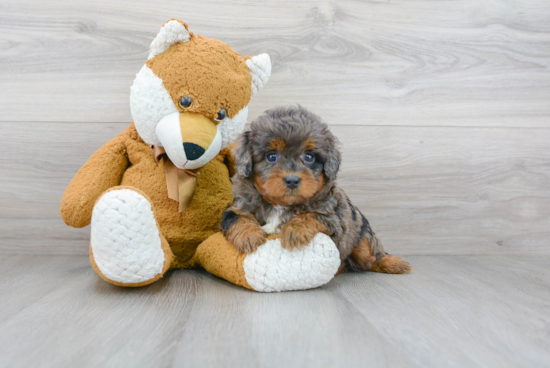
[{"x": 190, "y": 141}]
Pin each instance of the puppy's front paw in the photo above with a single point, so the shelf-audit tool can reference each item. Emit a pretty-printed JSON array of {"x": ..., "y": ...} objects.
[
  {"x": 299, "y": 232},
  {"x": 246, "y": 237}
]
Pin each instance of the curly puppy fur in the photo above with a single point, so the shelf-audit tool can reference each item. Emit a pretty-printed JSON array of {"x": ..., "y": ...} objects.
[{"x": 286, "y": 181}]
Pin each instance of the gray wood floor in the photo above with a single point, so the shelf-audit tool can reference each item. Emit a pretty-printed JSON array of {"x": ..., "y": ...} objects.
[{"x": 452, "y": 311}]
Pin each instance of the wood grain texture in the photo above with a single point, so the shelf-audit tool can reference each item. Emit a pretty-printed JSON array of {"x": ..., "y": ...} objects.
[
  {"x": 425, "y": 190},
  {"x": 379, "y": 62},
  {"x": 461, "y": 311},
  {"x": 457, "y": 311},
  {"x": 460, "y": 190},
  {"x": 444, "y": 114}
]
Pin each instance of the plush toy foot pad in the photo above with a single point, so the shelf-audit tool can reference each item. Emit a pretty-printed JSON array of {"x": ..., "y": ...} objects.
[
  {"x": 273, "y": 268},
  {"x": 126, "y": 245}
]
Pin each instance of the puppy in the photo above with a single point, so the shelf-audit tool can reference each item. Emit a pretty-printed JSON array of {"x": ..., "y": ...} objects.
[{"x": 285, "y": 182}]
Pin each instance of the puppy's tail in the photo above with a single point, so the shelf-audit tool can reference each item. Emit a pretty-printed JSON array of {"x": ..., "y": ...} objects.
[
  {"x": 391, "y": 264},
  {"x": 369, "y": 256}
]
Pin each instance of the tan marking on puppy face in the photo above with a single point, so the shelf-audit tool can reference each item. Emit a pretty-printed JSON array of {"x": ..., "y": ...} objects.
[
  {"x": 274, "y": 190},
  {"x": 207, "y": 70},
  {"x": 309, "y": 185},
  {"x": 310, "y": 145},
  {"x": 276, "y": 144}
]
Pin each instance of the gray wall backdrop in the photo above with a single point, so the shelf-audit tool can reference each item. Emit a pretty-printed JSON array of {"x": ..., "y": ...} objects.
[{"x": 443, "y": 107}]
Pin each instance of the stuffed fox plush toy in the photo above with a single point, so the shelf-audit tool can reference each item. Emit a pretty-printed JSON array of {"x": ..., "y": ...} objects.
[{"x": 155, "y": 194}]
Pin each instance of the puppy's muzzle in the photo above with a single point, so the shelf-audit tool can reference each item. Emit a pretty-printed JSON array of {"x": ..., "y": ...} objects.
[
  {"x": 292, "y": 181},
  {"x": 190, "y": 140}
]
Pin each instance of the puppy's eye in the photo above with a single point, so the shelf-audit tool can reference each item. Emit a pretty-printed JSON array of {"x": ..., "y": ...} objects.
[
  {"x": 186, "y": 102},
  {"x": 221, "y": 115},
  {"x": 271, "y": 157},
  {"x": 308, "y": 158}
]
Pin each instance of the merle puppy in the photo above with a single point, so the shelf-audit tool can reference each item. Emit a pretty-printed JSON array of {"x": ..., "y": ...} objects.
[{"x": 285, "y": 182}]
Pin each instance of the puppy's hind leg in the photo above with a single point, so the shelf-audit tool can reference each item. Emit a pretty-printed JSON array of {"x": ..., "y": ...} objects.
[{"x": 369, "y": 256}]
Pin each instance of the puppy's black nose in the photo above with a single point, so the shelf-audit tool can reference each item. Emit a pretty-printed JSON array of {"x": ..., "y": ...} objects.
[
  {"x": 292, "y": 181},
  {"x": 193, "y": 151}
]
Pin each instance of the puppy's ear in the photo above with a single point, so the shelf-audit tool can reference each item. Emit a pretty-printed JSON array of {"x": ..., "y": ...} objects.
[
  {"x": 332, "y": 164},
  {"x": 243, "y": 155}
]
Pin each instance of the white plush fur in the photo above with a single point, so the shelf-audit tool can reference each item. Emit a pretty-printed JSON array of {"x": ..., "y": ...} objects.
[
  {"x": 149, "y": 103},
  {"x": 260, "y": 70},
  {"x": 171, "y": 33},
  {"x": 169, "y": 134},
  {"x": 273, "y": 268},
  {"x": 231, "y": 128},
  {"x": 125, "y": 240}
]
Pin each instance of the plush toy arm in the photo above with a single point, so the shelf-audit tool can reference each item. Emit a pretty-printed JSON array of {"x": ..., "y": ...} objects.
[
  {"x": 102, "y": 171},
  {"x": 271, "y": 267},
  {"x": 229, "y": 158}
]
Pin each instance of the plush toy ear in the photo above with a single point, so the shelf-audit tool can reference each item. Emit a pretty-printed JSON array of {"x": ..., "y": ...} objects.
[
  {"x": 260, "y": 70},
  {"x": 243, "y": 155},
  {"x": 174, "y": 31}
]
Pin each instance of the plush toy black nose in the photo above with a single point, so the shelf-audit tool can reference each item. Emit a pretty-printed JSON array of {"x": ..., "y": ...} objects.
[
  {"x": 292, "y": 181},
  {"x": 193, "y": 151}
]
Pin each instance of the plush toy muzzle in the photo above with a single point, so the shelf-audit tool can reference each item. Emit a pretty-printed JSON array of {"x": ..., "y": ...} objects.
[{"x": 190, "y": 139}]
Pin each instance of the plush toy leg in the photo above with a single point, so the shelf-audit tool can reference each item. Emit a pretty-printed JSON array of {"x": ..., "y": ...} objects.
[
  {"x": 126, "y": 247},
  {"x": 271, "y": 267}
]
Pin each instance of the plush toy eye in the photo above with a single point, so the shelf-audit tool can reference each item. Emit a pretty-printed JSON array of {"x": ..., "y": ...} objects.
[
  {"x": 221, "y": 115},
  {"x": 271, "y": 157},
  {"x": 308, "y": 158},
  {"x": 186, "y": 102}
]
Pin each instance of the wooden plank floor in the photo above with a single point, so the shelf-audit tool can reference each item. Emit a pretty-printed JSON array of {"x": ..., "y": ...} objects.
[{"x": 452, "y": 311}]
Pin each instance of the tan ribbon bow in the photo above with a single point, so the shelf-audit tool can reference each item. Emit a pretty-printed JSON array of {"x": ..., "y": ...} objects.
[{"x": 180, "y": 183}]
